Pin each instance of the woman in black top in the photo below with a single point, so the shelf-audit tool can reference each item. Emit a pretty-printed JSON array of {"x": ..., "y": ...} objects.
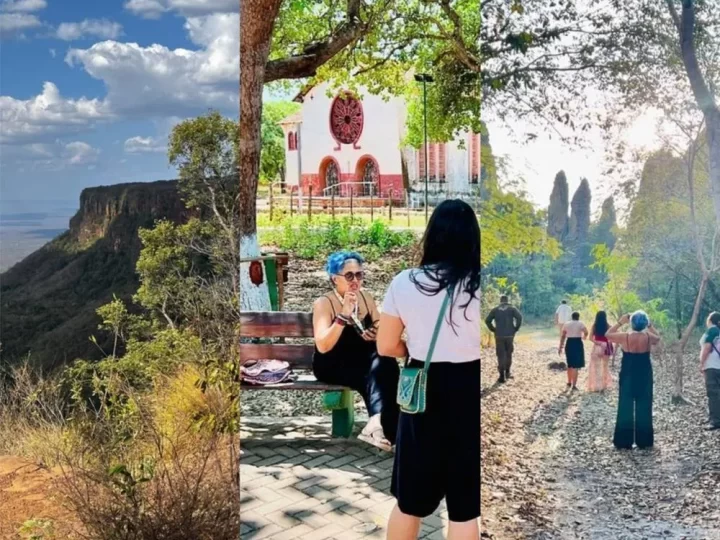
[
  {"x": 345, "y": 325},
  {"x": 634, "y": 417}
]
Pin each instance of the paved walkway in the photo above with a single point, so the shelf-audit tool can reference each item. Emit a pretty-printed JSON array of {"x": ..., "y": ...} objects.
[{"x": 298, "y": 482}]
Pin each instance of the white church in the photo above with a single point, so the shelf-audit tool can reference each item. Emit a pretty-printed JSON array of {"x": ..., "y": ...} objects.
[{"x": 354, "y": 144}]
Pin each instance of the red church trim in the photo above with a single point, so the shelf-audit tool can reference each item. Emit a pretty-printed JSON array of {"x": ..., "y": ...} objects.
[
  {"x": 359, "y": 131},
  {"x": 322, "y": 171},
  {"x": 475, "y": 158},
  {"x": 360, "y": 166},
  {"x": 433, "y": 161}
]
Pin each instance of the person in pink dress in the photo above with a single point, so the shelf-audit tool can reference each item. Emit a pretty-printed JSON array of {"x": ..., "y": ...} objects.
[{"x": 599, "y": 378}]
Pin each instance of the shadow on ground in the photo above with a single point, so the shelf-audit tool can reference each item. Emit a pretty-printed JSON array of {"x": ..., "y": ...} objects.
[{"x": 295, "y": 479}]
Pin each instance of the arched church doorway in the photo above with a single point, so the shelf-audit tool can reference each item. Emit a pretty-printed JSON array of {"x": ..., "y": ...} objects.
[
  {"x": 329, "y": 176},
  {"x": 368, "y": 174}
]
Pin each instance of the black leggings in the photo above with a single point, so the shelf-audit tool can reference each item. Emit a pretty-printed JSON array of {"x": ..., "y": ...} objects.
[{"x": 373, "y": 376}]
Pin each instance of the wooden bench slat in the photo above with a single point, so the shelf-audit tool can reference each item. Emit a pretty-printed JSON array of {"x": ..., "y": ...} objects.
[
  {"x": 299, "y": 356},
  {"x": 304, "y": 382},
  {"x": 276, "y": 324}
]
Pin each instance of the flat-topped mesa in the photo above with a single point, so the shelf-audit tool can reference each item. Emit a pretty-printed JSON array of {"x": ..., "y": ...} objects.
[
  {"x": 49, "y": 299},
  {"x": 119, "y": 210},
  {"x": 558, "y": 211}
]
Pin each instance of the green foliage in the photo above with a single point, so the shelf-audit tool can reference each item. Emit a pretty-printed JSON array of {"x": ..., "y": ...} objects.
[
  {"x": 272, "y": 155},
  {"x": 400, "y": 36},
  {"x": 37, "y": 529},
  {"x": 108, "y": 387},
  {"x": 510, "y": 226},
  {"x": 309, "y": 241},
  {"x": 204, "y": 150},
  {"x": 532, "y": 279},
  {"x": 166, "y": 265}
]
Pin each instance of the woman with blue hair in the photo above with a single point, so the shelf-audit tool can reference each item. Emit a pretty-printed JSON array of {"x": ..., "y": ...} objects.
[
  {"x": 634, "y": 423},
  {"x": 345, "y": 322}
]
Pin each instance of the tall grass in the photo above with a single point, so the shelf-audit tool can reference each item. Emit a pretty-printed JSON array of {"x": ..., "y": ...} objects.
[{"x": 153, "y": 463}]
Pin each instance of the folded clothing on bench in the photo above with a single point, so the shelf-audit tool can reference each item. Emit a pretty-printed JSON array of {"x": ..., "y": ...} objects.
[{"x": 266, "y": 372}]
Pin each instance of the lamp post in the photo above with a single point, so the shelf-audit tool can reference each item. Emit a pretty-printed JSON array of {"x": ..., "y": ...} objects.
[{"x": 424, "y": 78}]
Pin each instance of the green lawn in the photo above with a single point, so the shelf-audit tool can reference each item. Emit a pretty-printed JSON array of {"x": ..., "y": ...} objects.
[{"x": 417, "y": 219}]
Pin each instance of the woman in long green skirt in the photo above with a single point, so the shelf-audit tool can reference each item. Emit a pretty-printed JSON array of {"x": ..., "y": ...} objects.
[{"x": 634, "y": 423}]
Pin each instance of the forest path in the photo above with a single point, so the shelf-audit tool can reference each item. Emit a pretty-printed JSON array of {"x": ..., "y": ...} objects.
[{"x": 550, "y": 470}]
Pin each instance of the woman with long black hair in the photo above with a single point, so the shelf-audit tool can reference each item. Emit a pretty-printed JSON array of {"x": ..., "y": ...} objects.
[
  {"x": 599, "y": 378},
  {"x": 437, "y": 305}
]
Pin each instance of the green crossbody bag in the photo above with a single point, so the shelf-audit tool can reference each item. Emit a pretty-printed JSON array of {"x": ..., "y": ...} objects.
[{"x": 412, "y": 386}]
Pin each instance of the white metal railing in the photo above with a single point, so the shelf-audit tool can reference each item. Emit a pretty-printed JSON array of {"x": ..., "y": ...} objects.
[{"x": 343, "y": 189}]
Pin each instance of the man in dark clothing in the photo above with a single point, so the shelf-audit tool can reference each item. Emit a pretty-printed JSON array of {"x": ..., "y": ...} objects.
[{"x": 504, "y": 321}]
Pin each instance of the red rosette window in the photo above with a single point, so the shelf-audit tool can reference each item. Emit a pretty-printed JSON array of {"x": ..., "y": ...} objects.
[{"x": 346, "y": 119}]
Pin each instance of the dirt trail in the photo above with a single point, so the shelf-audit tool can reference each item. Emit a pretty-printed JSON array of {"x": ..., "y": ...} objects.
[
  {"x": 550, "y": 470},
  {"x": 29, "y": 492}
]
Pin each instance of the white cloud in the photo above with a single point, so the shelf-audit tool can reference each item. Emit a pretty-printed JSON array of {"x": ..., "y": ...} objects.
[
  {"x": 34, "y": 119},
  {"x": 79, "y": 153},
  {"x": 138, "y": 145},
  {"x": 39, "y": 149},
  {"x": 54, "y": 156},
  {"x": 101, "y": 28},
  {"x": 11, "y": 23},
  {"x": 53, "y": 53},
  {"x": 153, "y": 9},
  {"x": 160, "y": 81},
  {"x": 25, "y": 6}
]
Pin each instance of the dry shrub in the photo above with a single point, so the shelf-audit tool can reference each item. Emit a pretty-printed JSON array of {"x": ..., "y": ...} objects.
[
  {"x": 177, "y": 480},
  {"x": 33, "y": 416}
]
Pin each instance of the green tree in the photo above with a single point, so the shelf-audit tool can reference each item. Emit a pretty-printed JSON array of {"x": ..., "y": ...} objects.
[
  {"x": 323, "y": 41},
  {"x": 510, "y": 225},
  {"x": 665, "y": 55},
  {"x": 272, "y": 155}
]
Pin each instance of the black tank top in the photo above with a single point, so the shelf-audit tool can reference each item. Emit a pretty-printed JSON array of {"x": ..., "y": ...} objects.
[{"x": 350, "y": 341}]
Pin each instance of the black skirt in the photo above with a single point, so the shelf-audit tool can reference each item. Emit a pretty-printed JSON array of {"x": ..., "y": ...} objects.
[
  {"x": 437, "y": 453},
  {"x": 575, "y": 353}
]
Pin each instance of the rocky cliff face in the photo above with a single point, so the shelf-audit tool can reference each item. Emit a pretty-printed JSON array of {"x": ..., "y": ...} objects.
[
  {"x": 48, "y": 300},
  {"x": 138, "y": 204},
  {"x": 558, "y": 210},
  {"x": 579, "y": 226},
  {"x": 603, "y": 230}
]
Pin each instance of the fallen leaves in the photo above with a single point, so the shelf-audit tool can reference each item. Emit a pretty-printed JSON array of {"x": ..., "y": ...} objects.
[{"x": 550, "y": 469}]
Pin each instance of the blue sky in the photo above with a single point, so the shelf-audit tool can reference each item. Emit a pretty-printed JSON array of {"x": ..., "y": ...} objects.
[{"x": 89, "y": 90}]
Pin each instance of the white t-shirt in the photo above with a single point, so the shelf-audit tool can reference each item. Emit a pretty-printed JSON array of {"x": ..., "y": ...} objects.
[
  {"x": 564, "y": 313},
  {"x": 574, "y": 329},
  {"x": 419, "y": 312}
]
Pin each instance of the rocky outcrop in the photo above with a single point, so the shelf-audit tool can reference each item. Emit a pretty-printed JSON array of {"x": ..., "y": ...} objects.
[
  {"x": 579, "y": 226},
  {"x": 48, "y": 300},
  {"x": 558, "y": 211},
  {"x": 604, "y": 230},
  {"x": 138, "y": 205}
]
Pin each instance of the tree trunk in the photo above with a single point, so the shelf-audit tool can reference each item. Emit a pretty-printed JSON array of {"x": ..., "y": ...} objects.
[
  {"x": 712, "y": 121},
  {"x": 679, "y": 360},
  {"x": 257, "y": 21},
  {"x": 703, "y": 96}
]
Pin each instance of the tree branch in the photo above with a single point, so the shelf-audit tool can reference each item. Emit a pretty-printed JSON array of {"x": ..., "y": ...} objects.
[
  {"x": 306, "y": 65},
  {"x": 699, "y": 87}
]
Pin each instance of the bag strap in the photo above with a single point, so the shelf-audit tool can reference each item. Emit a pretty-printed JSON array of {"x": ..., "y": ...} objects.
[
  {"x": 712, "y": 344},
  {"x": 438, "y": 325}
]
